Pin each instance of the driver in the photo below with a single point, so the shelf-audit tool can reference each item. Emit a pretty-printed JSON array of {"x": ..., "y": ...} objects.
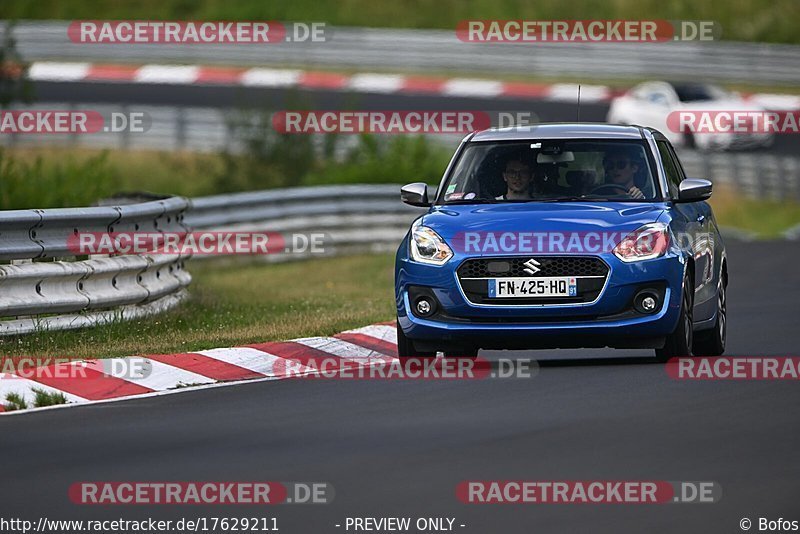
[
  {"x": 518, "y": 177},
  {"x": 621, "y": 167}
]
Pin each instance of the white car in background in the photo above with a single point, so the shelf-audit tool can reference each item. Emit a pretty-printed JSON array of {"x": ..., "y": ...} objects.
[{"x": 650, "y": 103}]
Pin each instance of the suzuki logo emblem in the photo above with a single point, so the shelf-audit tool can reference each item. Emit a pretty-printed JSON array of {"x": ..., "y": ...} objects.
[{"x": 532, "y": 266}]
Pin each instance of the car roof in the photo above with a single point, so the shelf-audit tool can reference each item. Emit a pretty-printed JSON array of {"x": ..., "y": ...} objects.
[{"x": 567, "y": 130}]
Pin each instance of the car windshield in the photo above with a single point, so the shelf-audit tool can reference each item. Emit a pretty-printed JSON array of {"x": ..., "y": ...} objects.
[
  {"x": 698, "y": 92},
  {"x": 549, "y": 171}
]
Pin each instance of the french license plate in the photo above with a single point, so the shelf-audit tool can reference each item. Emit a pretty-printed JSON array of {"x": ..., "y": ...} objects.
[{"x": 545, "y": 286}]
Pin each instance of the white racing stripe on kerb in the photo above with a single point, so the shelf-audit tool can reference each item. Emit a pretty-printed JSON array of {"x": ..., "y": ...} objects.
[
  {"x": 376, "y": 83},
  {"x": 175, "y": 74},
  {"x": 58, "y": 72},
  {"x": 568, "y": 92},
  {"x": 345, "y": 350},
  {"x": 469, "y": 87},
  {"x": 147, "y": 373},
  {"x": 22, "y": 386},
  {"x": 255, "y": 360},
  {"x": 380, "y": 331},
  {"x": 270, "y": 77}
]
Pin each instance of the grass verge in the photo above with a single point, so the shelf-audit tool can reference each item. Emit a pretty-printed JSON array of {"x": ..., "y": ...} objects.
[
  {"x": 236, "y": 304},
  {"x": 53, "y": 177},
  {"x": 41, "y": 398},
  {"x": 764, "y": 218},
  {"x": 49, "y": 177}
]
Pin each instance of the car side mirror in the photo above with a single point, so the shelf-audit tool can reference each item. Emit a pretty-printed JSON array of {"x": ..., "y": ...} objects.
[
  {"x": 415, "y": 194},
  {"x": 694, "y": 190}
]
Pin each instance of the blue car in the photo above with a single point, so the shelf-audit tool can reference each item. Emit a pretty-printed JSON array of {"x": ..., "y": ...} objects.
[{"x": 562, "y": 236}]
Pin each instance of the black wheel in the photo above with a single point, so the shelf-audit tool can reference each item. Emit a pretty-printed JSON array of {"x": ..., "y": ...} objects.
[
  {"x": 405, "y": 347},
  {"x": 712, "y": 342},
  {"x": 679, "y": 342}
]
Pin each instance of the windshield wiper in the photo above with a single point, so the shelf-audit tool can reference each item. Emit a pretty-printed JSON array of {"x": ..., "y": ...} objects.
[
  {"x": 569, "y": 199},
  {"x": 590, "y": 199},
  {"x": 473, "y": 201}
]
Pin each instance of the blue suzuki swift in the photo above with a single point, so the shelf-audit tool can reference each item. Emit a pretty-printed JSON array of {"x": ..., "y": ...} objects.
[{"x": 562, "y": 235}]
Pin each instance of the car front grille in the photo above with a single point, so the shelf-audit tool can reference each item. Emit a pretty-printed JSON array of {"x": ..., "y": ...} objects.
[{"x": 591, "y": 273}]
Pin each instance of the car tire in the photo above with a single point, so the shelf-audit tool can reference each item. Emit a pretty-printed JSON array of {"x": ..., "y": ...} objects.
[
  {"x": 679, "y": 342},
  {"x": 712, "y": 342},
  {"x": 405, "y": 347}
]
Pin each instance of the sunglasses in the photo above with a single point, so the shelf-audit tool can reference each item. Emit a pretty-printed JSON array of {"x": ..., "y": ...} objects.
[
  {"x": 517, "y": 174},
  {"x": 616, "y": 164}
]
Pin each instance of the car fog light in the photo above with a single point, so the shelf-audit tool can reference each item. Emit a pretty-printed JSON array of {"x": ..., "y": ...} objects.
[
  {"x": 646, "y": 301},
  {"x": 424, "y": 307}
]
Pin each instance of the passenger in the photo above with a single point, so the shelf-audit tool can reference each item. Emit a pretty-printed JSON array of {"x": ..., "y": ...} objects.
[
  {"x": 621, "y": 168},
  {"x": 518, "y": 178}
]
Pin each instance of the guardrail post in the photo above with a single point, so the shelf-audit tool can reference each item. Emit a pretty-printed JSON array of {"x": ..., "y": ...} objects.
[
  {"x": 125, "y": 134},
  {"x": 180, "y": 128}
]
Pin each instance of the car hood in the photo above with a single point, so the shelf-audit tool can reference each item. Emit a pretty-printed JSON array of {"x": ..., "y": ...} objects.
[{"x": 451, "y": 222}]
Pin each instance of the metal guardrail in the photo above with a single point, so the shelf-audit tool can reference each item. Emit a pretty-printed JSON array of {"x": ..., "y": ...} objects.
[
  {"x": 767, "y": 176},
  {"x": 440, "y": 50},
  {"x": 44, "y": 286},
  {"x": 352, "y": 218},
  {"x": 40, "y": 289}
]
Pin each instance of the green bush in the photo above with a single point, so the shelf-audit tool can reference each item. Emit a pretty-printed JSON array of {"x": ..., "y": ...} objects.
[
  {"x": 386, "y": 159},
  {"x": 52, "y": 184},
  {"x": 270, "y": 159}
]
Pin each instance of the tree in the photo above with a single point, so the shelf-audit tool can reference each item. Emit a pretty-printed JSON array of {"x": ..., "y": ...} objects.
[{"x": 14, "y": 83}]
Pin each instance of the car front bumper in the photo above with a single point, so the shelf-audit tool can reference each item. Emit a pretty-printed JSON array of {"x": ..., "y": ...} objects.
[{"x": 609, "y": 320}]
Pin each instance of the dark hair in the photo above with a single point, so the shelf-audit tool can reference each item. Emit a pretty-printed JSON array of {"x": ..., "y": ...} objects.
[
  {"x": 524, "y": 157},
  {"x": 635, "y": 157},
  {"x": 632, "y": 154}
]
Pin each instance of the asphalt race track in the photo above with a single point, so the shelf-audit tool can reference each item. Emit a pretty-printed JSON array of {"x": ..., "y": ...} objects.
[
  {"x": 400, "y": 447},
  {"x": 276, "y": 99}
]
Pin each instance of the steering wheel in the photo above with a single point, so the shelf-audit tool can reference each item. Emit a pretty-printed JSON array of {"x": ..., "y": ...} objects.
[{"x": 610, "y": 189}]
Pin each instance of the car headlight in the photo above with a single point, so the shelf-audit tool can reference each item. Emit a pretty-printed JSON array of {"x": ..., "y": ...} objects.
[
  {"x": 428, "y": 247},
  {"x": 645, "y": 243}
]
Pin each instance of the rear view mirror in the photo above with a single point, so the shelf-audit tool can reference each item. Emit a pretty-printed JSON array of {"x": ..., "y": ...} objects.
[
  {"x": 694, "y": 190},
  {"x": 415, "y": 194},
  {"x": 563, "y": 157}
]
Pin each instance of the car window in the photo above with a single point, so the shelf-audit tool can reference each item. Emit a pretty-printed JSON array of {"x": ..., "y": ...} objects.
[
  {"x": 678, "y": 164},
  {"x": 550, "y": 170},
  {"x": 699, "y": 92},
  {"x": 658, "y": 98},
  {"x": 674, "y": 173}
]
